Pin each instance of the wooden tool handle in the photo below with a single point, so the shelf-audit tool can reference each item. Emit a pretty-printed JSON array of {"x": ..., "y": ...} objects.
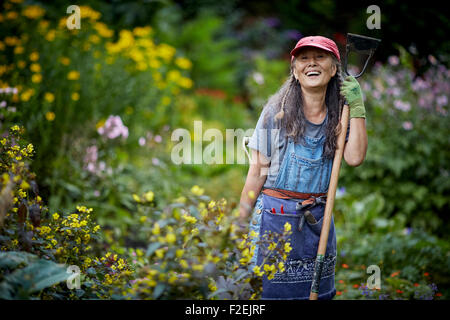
[{"x": 330, "y": 203}]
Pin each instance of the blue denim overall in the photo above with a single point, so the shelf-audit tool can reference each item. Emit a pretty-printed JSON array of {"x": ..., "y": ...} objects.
[{"x": 303, "y": 169}]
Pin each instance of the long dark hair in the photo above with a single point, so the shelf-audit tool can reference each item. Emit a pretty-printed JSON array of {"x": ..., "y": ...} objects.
[{"x": 288, "y": 104}]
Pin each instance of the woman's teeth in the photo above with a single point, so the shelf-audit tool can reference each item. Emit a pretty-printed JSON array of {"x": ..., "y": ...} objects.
[{"x": 312, "y": 73}]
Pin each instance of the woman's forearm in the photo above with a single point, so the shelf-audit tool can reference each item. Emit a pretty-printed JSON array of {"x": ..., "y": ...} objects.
[
  {"x": 253, "y": 185},
  {"x": 356, "y": 147}
]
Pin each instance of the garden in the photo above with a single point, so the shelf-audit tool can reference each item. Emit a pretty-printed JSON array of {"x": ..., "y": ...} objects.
[{"x": 88, "y": 181}]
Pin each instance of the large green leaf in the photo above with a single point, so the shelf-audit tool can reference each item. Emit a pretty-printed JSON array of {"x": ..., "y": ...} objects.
[{"x": 38, "y": 274}]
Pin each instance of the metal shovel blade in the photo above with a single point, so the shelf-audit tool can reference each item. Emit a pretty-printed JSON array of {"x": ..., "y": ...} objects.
[{"x": 362, "y": 45}]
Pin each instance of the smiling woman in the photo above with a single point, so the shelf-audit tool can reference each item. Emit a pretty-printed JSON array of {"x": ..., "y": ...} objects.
[{"x": 307, "y": 111}]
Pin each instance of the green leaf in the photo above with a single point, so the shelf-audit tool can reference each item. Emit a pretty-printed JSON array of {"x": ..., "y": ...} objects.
[
  {"x": 159, "y": 289},
  {"x": 152, "y": 248},
  {"x": 12, "y": 259}
]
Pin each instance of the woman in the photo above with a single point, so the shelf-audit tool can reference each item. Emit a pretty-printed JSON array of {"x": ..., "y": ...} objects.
[{"x": 293, "y": 149}]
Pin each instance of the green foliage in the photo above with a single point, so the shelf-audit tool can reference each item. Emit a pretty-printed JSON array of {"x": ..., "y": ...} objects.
[
  {"x": 265, "y": 80},
  {"x": 408, "y": 131},
  {"x": 23, "y": 274}
]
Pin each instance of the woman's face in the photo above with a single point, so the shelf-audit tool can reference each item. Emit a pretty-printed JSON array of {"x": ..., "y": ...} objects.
[{"x": 313, "y": 68}]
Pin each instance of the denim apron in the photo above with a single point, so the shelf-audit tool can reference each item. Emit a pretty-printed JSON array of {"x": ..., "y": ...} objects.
[{"x": 303, "y": 169}]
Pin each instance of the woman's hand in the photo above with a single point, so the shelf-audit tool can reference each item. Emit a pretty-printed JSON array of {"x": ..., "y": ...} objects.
[{"x": 351, "y": 90}]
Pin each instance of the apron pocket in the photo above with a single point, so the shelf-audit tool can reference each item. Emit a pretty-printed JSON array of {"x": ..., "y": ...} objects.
[
  {"x": 313, "y": 230},
  {"x": 274, "y": 222}
]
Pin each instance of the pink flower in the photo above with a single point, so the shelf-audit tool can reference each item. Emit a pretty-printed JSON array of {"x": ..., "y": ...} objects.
[
  {"x": 393, "y": 60},
  {"x": 401, "y": 105},
  {"x": 155, "y": 161},
  {"x": 442, "y": 100},
  {"x": 113, "y": 128},
  {"x": 158, "y": 138},
  {"x": 141, "y": 141},
  {"x": 376, "y": 94},
  {"x": 407, "y": 125}
]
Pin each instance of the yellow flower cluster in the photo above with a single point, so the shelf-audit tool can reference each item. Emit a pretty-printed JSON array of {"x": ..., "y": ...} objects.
[
  {"x": 147, "y": 197},
  {"x": 189, "y": 218},
  {"x": 196, "y": 190},
  {"x": 33, "y": 12}
]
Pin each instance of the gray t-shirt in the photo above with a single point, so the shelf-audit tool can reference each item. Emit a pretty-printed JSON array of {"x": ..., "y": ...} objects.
[{"x": 278, "y": 140}]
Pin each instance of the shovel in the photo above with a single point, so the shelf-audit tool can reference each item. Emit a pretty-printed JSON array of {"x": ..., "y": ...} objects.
[{"x": 363, "y": 45}]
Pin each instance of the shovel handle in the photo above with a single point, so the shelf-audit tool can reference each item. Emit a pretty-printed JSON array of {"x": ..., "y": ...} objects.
[{"x": 329, "y": 204}]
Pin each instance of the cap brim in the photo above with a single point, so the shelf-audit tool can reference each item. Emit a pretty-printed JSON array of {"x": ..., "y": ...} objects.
[{"x": 316, "y": 45}]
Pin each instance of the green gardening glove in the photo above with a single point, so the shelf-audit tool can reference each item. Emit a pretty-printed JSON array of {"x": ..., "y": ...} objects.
[{"x": 351, "y": 90}]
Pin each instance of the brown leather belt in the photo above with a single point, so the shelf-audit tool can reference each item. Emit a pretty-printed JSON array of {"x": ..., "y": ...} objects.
[{"x": 288, "y": 194}]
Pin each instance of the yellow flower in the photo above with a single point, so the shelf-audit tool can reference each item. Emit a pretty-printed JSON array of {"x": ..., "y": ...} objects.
[
  {"x": 36, "y": 78},
  {"x": 49, "y": 97},
  {"x": 148, "y": 196},
  {"x": 189, "y": 218},
  {"x": 160, "y": 253},
  {"x": 183, "y": 63},
  {"x": 24, "y": 184},
  {"x": 55, "y": 216},
  {"x": 211, "y": 204},
  {"x": 64, "y": 60},
  {"x": 11, "y": 41},
  {"x": 19, "y": 50},
  {"x": 197, "y": 190},
  {"x": 96, "y": 228},
  {"x": 33, "y": 12},
  {"x": 73, "y": 75},
  {"x": 287, "y": 227},
  {"x": 165, "y": 100},
  {"x": 257, "y": 271},
  {"x": 179, "y": 253},
  {"x": 50, "y": 116},
  {"x": 184, "y": 264},
  {"x": 11, "y": 15},
  {"x": 251, "y": 194},
  {"x": 173, "y": 75},
  {"x": 142, "y": 31},
  {"x": 171, "y": 238},
  {"x": 143, "y": 219},
  {"x": 185, "y": 82},
  {"x": 34, "y": 56},
  {"x": 198, "y": 267},
  {"x": 287, "y": 247},
  {"x": 50, "y": 36},
  {"x": 75, "y": 96},
  {"x": 103, "y": 30},
  {"x": 156, "y": 230},
  {"x": 88, "y": 12},
  {"x": 180, "y": 199},
  {"x": 26, "y": 95},
  {"x": 136, "y": 198},
  {"x": 165, "y": 51}
]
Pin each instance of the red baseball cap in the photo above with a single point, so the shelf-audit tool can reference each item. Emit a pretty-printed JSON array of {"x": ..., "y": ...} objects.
[{"x": 318, "y": 42}]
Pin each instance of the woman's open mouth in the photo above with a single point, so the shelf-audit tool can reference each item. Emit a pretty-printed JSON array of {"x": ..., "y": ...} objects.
[{"x": 312, "y": 74}]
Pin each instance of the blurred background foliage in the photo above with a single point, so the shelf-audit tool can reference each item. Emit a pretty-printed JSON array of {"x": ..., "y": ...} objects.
[{"x": 100, "y": 105}]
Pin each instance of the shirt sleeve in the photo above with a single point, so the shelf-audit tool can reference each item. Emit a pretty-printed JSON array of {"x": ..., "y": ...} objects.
[{"x": 262, "y": 136}]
